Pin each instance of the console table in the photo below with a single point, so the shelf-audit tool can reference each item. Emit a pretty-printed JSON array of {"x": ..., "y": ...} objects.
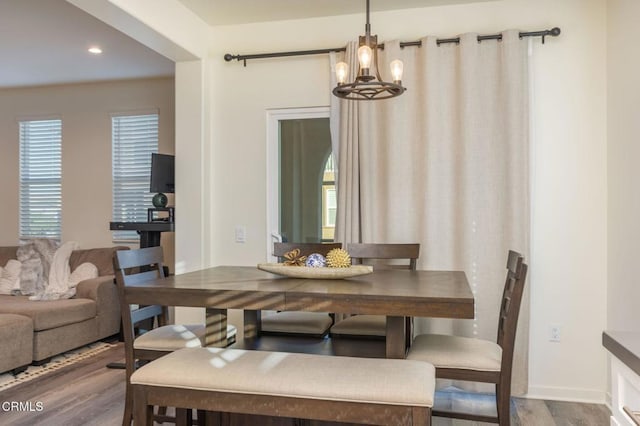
[{"x": 150, "y": 232}]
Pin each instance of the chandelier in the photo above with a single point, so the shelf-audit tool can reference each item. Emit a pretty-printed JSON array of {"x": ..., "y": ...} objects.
[{"x": 368, "y": 86}]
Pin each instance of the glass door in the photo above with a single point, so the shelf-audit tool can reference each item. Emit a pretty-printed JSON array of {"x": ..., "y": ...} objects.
[
  {"x": 307, "y": 190},
  {"x": 301, "y": 197}
]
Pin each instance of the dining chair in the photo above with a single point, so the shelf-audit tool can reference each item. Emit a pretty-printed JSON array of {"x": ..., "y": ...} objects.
[
  {"x": 314, "y": 324},
  {"x": 477, "y": 360},
  {"x": 381, "y": 256},
  {"x": 135, "y": 267}
]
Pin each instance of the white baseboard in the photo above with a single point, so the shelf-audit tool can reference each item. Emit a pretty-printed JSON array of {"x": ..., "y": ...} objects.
[
  {"x": 567, "y": 394},
  {"x": 607, "y": 399}
]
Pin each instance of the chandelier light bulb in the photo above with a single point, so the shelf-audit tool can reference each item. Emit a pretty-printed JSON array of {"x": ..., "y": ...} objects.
[
  {"x": 364, "y": 56},
  {"x": 397, "y": 68},
  {"x": 342, "y": 72}
]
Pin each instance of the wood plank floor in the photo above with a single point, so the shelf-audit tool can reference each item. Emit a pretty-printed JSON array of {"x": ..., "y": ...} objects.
[{"x": 87, "y": 393}]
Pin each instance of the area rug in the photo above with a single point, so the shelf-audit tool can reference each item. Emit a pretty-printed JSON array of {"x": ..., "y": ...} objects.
[{"x": 8, "y": 380}]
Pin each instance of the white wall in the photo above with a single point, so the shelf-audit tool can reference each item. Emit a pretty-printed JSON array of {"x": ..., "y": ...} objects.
[
  {"x": 86, "y": 149},
  {"x": 568, "y": 262},
  {"x": 569, "y": 218},
  {"x": 623, "y": 80}
]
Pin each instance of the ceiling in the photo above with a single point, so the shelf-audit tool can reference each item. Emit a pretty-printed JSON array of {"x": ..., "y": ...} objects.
[
  {"x": 228, "y": 12},
  {"x": 44, "y": 42}
]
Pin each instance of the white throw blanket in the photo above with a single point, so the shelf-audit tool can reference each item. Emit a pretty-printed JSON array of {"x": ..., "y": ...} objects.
[{"x": 62, "y": 283}]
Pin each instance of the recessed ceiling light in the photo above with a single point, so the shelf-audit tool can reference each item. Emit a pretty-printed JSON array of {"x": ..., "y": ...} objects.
[{"x": 95, "y": 50}]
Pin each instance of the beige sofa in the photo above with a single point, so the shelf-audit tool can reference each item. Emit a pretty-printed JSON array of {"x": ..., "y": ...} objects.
[{"x": 61, "y": 325}]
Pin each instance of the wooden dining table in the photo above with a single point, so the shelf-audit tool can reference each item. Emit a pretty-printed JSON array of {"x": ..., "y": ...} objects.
[{"x": 394, "y": 293}]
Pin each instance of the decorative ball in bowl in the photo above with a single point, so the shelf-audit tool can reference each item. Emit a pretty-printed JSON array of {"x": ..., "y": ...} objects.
[{"x": 315, "y": 260}]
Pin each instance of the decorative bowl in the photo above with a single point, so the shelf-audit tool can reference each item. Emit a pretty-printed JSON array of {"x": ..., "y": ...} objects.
[{"x": 315, "y": 273}]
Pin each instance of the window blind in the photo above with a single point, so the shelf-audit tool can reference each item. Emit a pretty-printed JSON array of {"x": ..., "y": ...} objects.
[
  {"x": 40, "y": 179},
  {"x": 134, "y": 139}
]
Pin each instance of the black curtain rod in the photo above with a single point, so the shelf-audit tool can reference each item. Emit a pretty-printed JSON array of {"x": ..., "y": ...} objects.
[{"x": 553, "y": 32}]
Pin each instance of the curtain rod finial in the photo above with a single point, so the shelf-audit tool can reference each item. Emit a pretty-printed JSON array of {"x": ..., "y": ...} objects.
[
  {"x": 229, "y": 57},
  {"x": 555, "y": 31}
]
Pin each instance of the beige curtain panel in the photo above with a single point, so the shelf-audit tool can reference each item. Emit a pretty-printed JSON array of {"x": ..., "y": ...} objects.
[{"x": 446, "y": 165}]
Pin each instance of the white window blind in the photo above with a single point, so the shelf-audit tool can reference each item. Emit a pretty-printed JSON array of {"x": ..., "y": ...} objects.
[
  {"x": 40, "y": 179},
  {"x": 134, "y": 139}
]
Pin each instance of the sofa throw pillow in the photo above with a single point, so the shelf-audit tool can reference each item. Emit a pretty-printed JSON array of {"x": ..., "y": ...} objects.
[
  {"x": 84, "y": 271},
  {"x": 36, "y": 256},
  {"x": 10, "y": 277}
]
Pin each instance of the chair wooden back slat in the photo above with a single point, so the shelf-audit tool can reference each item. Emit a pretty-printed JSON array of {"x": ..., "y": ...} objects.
[
  {"x": 145, "y": 312},
  {"x": 381, "y": 254},
  {"x": 142, "y": 257},
  {"x": 504, "y": 312},
  {"x": 280, "y": 249},
  {"x": 510, "y": 309},
  {"x": 141, "y": 277},
  {"x": 514, "y": 262}
]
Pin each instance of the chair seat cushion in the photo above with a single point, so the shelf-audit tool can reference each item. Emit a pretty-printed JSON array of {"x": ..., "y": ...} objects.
[
  {"x": 361, "y": 325},
  {"x": 174, "y": 337},
  {"x": 337, "y": 378},
  {"x": 297, "y": 322},
  {"x": 445, "y": 351}
]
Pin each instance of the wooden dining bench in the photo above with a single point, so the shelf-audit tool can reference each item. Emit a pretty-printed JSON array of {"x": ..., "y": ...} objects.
[{"x": 331, "y": 388}]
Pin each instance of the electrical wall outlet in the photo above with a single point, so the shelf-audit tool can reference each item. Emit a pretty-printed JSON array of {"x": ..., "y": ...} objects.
[
  {"x": 241, "y": 234},
  {"x": 554, "y": 333}
]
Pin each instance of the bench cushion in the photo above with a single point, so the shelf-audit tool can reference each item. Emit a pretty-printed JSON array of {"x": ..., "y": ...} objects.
[
  {"x": 297, "y": 322},
  {"x": 362, "y": 325},
  {"x": 445, "y": 351},
  {"x": 337, "y": 378},
  {"x": 47, "y": 314}
]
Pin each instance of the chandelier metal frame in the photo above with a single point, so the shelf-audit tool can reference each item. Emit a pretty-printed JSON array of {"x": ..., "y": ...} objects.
[{"x": 366, "y": 86}]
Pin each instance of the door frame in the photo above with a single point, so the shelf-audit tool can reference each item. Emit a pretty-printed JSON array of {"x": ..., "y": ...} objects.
[{"x": 274, "y": 116}]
